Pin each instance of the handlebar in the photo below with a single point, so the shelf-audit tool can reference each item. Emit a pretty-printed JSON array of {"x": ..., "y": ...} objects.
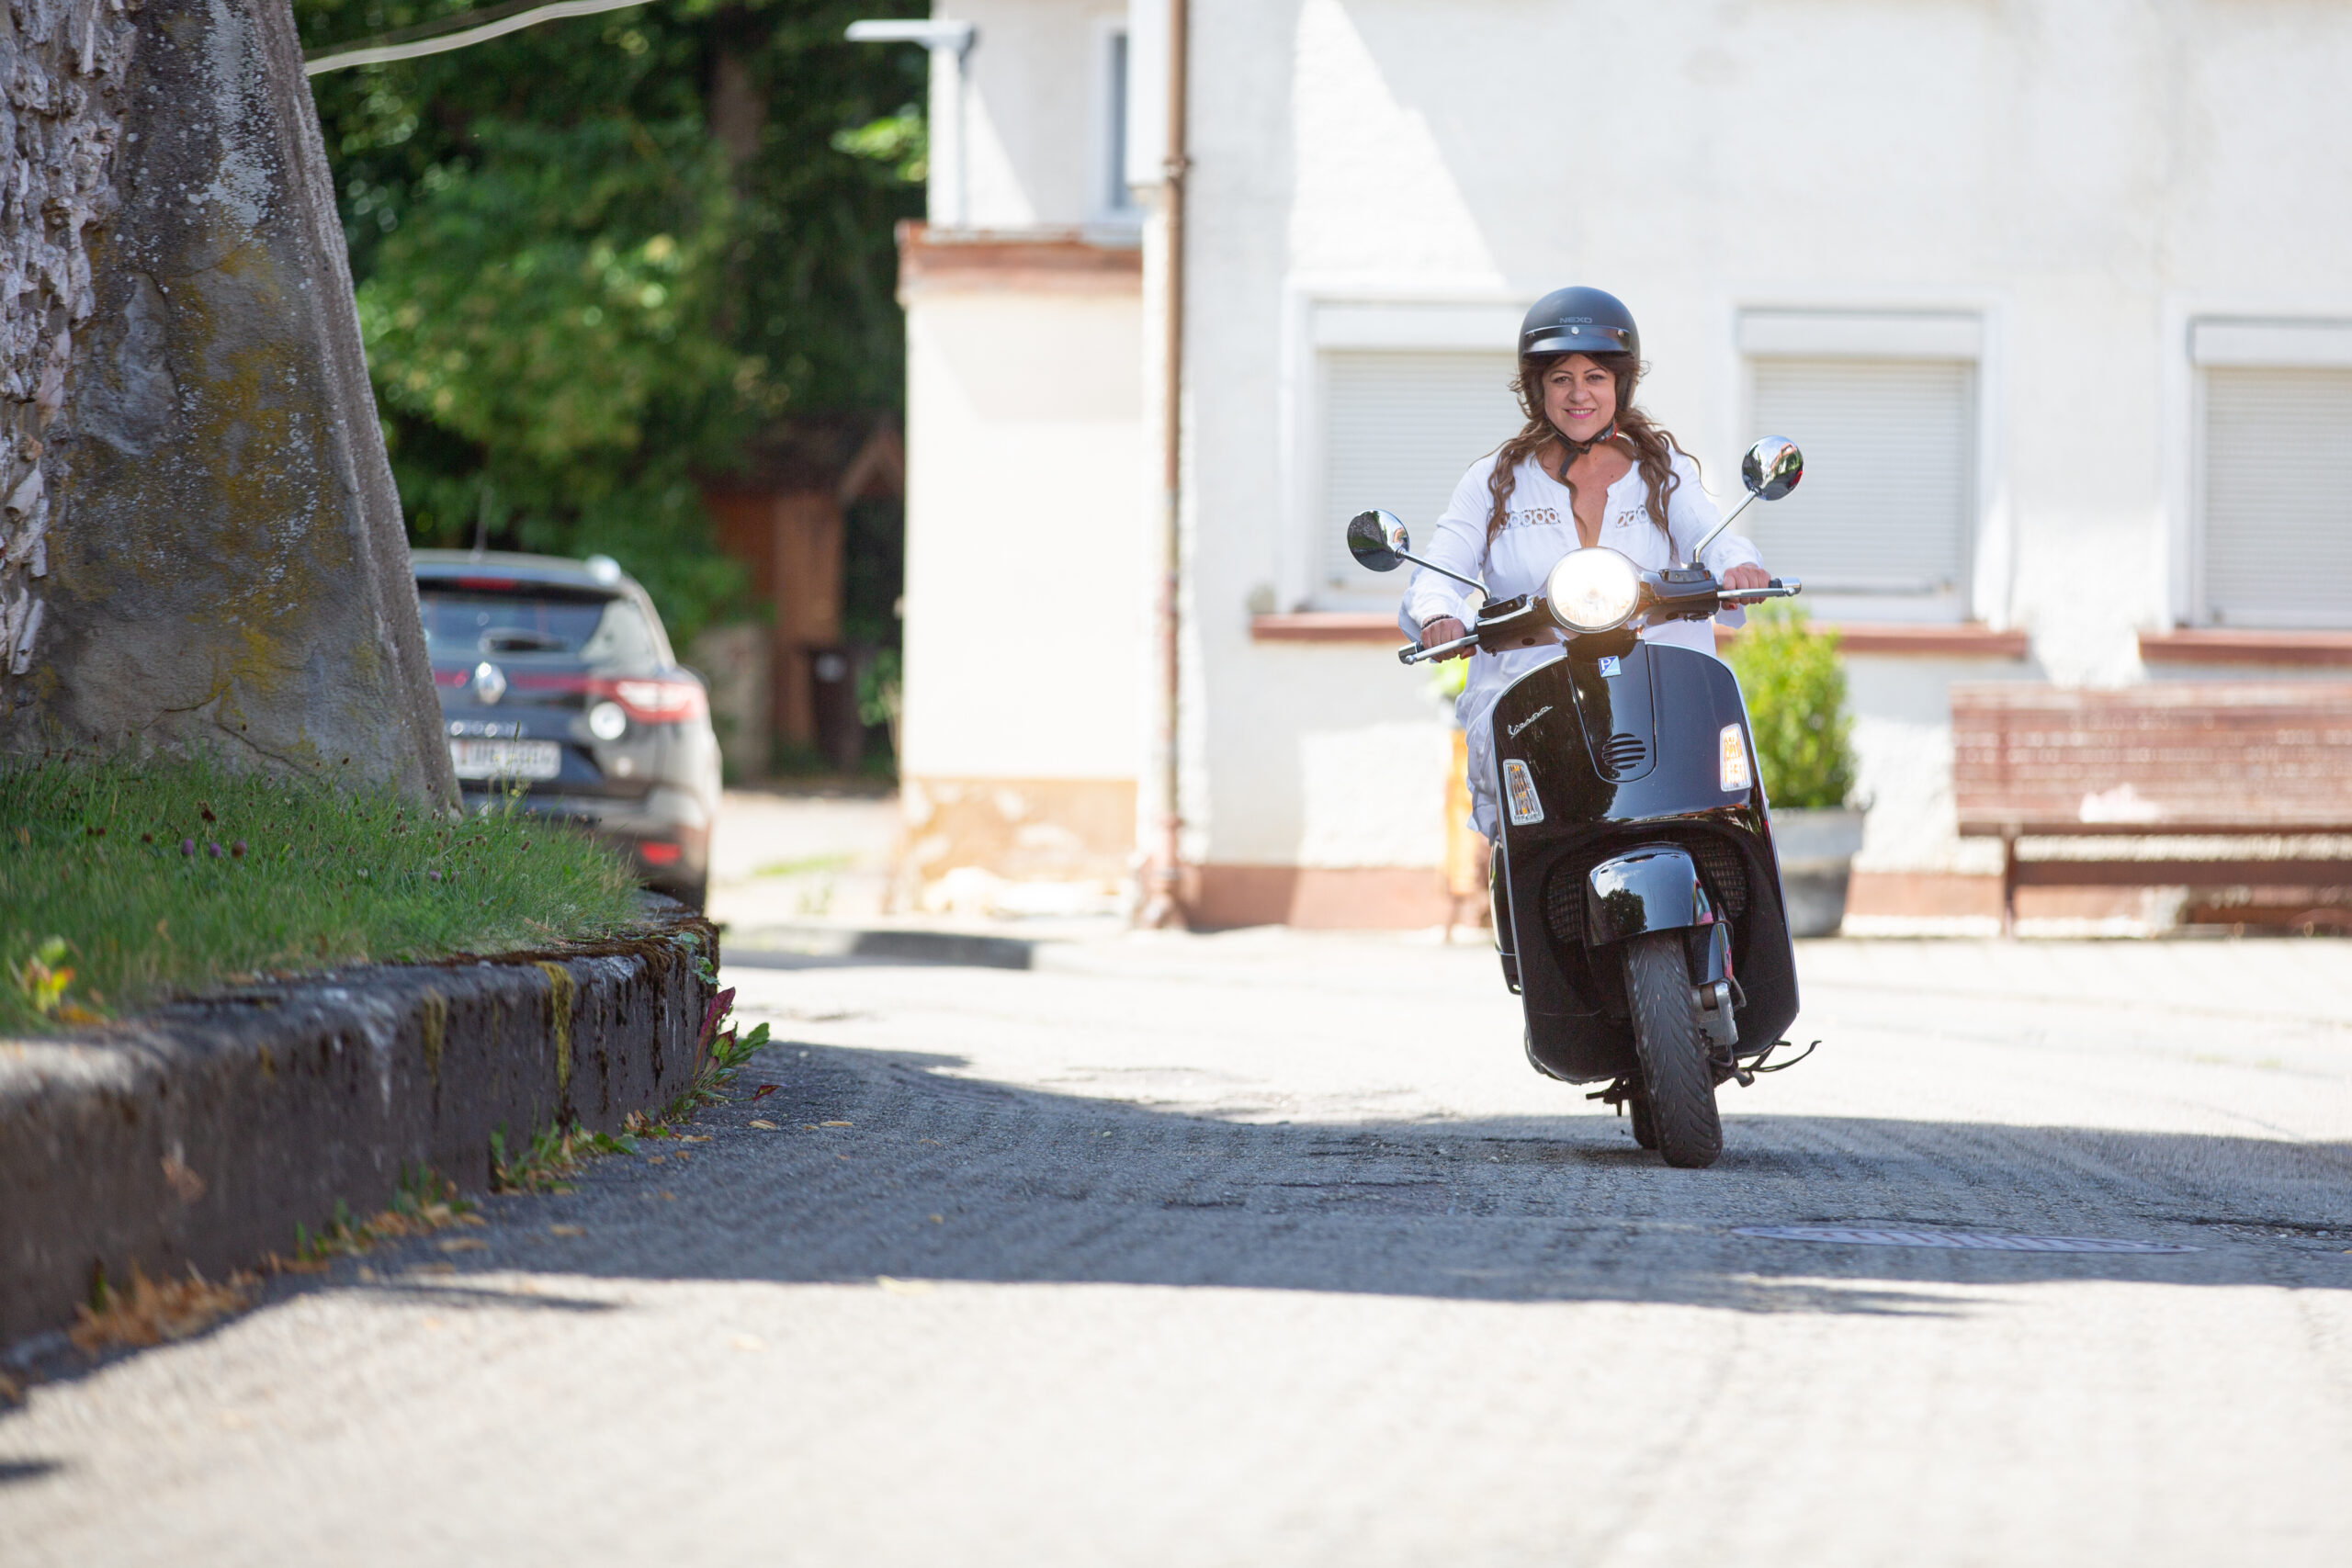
[{"x": 1414, "y": 653}]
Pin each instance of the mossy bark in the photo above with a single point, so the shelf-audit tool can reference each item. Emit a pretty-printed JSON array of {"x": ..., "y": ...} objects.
[{"x": 203, "y": 548}]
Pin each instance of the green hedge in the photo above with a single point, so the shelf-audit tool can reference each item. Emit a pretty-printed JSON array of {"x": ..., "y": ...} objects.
[{"x": 1795, "y": 686}]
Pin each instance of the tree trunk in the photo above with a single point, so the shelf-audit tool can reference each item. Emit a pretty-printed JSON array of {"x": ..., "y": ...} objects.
[{"x": 204, "y": 550}]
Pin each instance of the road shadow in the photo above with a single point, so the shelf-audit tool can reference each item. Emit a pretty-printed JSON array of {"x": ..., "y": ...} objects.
[{"x": 937, "y": 1175}]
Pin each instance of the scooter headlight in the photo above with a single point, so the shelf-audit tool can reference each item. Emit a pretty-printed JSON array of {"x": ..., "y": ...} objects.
[{"x": 1593, "y": 589}]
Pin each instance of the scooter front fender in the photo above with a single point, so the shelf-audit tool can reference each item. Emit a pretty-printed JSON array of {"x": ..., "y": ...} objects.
[{"x": 1654, "y": 888}]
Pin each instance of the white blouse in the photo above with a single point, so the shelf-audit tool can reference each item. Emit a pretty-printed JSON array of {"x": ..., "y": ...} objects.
[{"x": 1538, "y": 529}]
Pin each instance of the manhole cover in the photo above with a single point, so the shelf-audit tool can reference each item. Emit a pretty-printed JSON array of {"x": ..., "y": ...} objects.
[{"x": 1975, "y": 1241}]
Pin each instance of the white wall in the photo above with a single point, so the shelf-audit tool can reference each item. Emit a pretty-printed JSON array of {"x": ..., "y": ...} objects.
[
  {"x": 1036, "y": 114},
  {"x": 2086, "y": 175},
  {"x": 1025, "y": 534}
]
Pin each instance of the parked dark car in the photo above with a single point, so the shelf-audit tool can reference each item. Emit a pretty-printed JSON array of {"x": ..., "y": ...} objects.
[{"x": 556, "y": 678}]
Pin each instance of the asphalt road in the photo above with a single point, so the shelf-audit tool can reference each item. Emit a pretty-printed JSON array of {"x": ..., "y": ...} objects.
[{"x": 1268, "y": 1248}]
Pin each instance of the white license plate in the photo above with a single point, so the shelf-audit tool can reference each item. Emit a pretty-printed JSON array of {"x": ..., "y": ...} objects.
[{"x": 505, "y": 759}]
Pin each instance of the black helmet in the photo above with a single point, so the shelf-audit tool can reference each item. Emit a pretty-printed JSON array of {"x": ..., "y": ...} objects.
[{"x": 1579, "y": 321}]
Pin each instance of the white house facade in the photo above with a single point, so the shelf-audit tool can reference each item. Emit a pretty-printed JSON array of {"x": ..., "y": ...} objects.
[{"x": 2057, "y": 297}]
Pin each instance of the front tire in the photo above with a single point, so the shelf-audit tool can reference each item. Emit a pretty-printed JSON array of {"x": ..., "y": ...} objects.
[
  {"x": 1644, "y": 1129},
  {"x": 1678, "y": 1080}
]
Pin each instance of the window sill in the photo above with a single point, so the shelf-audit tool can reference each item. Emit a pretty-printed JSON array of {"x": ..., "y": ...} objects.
[
  {"x": 2211, "y": 645},
  {"x": 1966, "y": 641},
  {"x": 1039, "y": 261},
  {"x": 1326, "y": 625}
]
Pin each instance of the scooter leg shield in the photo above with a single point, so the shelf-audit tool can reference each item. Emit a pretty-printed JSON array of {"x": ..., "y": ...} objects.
[{"x": 1652, "y": 889}]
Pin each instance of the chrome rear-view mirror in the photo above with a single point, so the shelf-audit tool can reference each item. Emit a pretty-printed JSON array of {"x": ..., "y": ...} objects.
[
  {"x": 1378, "y": 540},
  {"x": 1772, "y": 467}
]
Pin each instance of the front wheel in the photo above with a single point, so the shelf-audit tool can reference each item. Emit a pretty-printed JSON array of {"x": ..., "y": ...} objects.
[
  {"x": 1677, "y": 1080},
  {"x": 1644, "y": 1129}
]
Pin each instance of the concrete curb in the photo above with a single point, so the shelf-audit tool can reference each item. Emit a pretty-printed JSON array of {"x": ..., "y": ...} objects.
[{"x": 203, "y": 1132}]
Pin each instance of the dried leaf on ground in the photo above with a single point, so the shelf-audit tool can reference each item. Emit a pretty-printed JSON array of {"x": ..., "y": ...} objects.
[{"x": 150, "y": 1314}]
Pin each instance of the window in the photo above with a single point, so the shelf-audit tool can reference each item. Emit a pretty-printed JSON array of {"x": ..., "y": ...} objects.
[
  {"x": 1398, "y": 429},
  {"x": 2277, "y": 473},
  {"x": 1110, "y": 197},
  {"x": 463, "y": 623},
  {"x": 1882, "y": 526}
]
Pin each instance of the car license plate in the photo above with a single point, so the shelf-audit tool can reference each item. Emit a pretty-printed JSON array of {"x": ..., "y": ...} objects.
[{"x": 505, "y": 759}]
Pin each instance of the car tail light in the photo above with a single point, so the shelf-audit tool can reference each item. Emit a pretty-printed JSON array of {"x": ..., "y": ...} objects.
[
  {"x": 647, "y": 701},
  {"x": 656, "y": 701},
  {"x": 659, "y": 854}
]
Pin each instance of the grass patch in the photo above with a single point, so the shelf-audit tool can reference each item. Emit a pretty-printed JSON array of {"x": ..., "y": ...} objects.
[
  {"x": 125, "y": 884},
  {"x": 423, "y": 1203},
  {"x": 806, "y": 866},
  {"x": 553, "y": 1158}
]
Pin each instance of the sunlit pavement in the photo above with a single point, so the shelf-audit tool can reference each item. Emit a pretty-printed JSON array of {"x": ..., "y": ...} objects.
[
  {"x": 1268, "y": 1248},
  {"x": 780, "y": 858}
]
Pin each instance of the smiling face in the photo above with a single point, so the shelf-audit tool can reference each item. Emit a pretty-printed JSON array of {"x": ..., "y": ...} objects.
[{"x": 1579, "y": 397}]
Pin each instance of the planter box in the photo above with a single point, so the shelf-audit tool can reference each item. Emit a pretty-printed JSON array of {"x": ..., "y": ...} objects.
[{"x": 1817, "y": 849}]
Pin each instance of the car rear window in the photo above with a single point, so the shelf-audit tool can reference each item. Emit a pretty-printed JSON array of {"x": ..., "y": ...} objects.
[{"x": 480, "y": 623}]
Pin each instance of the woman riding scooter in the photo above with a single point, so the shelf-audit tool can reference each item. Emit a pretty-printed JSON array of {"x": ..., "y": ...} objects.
[
  {"x": 1637, "y": 903},
  {"x": 1588, "y": 468}
]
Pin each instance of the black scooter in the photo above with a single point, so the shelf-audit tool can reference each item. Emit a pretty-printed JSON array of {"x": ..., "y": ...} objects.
[{"x": 1636, "y": 892}]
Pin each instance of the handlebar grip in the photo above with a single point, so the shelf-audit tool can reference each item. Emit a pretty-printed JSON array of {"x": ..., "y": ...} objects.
[{"x": 1414, "y": 653}]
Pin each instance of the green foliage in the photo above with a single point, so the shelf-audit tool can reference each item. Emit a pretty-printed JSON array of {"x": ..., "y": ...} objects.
[
  {"x": 424, "y": 1201},
  {"x": 720, "y": 1053},
  {"x": 121, "y": 883},
  {"x": 881, "y": 685},
  {"x": 902, "y": 140},
  {"x": 1796, "y": 687},
  {"x": 554, "y": 1155},
  {"x": 1448, "y": 680},
  {"x": 595, "y": 256}
]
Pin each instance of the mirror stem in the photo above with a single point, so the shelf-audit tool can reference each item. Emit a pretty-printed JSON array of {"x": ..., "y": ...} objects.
[
  {"x": 1432, "y": 566},
  {"x": 1701, "y": 547}
]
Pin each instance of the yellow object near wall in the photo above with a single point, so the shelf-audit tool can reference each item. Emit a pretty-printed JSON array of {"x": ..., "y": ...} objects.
[{"x": 1466, "y": 847}]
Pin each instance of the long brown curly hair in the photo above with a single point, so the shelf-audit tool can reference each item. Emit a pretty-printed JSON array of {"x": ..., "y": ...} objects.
[{"x": 1653, "y": 447}]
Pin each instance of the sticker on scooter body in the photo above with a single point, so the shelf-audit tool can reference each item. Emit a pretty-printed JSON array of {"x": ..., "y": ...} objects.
[
  {"x": 1611, "y": 665},
  {"x": 1520, "y": 784}
]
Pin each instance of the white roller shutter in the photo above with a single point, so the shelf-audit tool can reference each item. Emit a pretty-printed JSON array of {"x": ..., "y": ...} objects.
[
  {"x": 1398, "y": 429},
  {"x": 1887, "y": 506},
  {"x": 2277, "y": 504}
]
